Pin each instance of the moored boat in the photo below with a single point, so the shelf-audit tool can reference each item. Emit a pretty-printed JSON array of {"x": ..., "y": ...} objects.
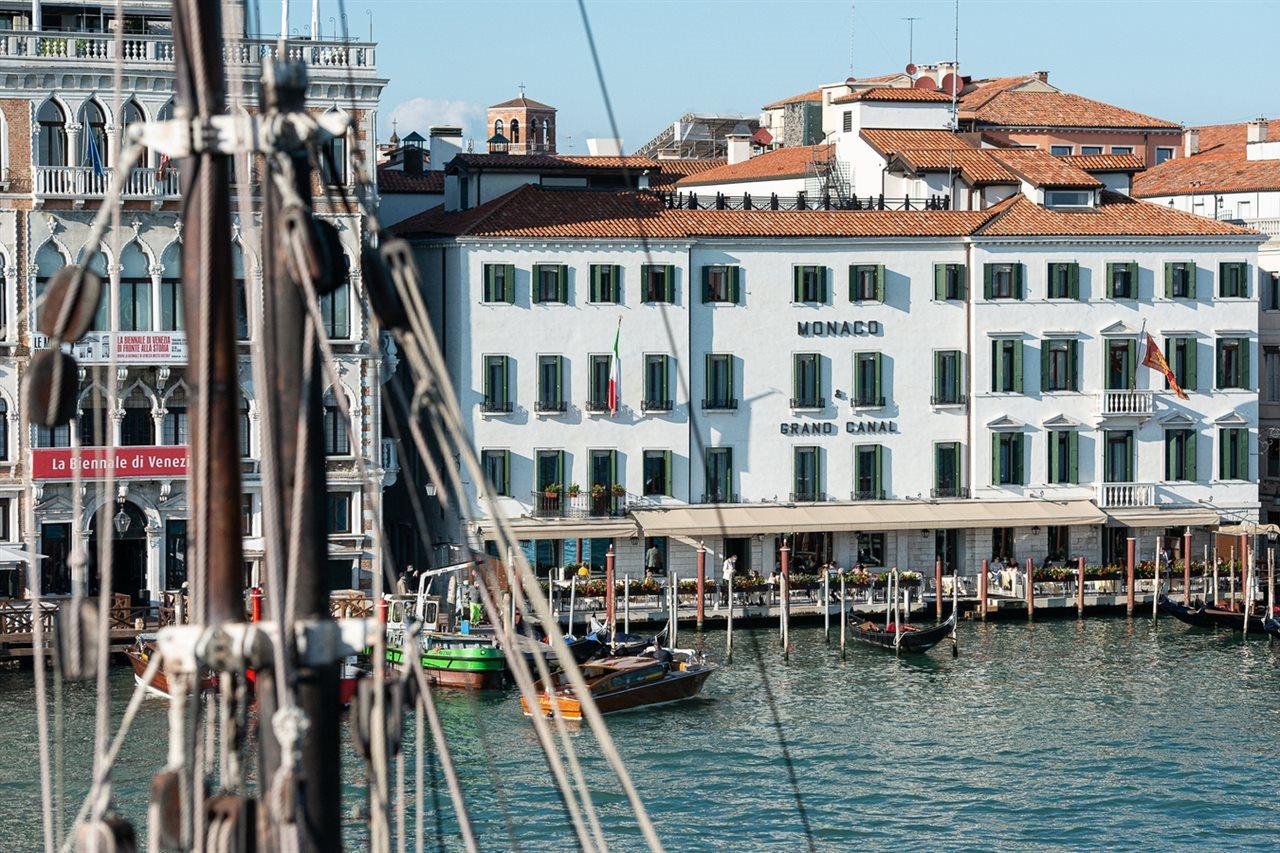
[
  {"x": 902, "y": 637},
  {"x": 139, "y": 656},
  {"x": 624, "y": 683},
  {"x": 1205, "y": 616},
  {"x": 471, "y": 661}
]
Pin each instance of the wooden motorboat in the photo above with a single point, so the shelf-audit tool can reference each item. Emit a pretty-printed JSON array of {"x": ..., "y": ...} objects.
[
  {"x": 902, "y": 637},
  {"x": 1219, "y": 616},
  {"x": 139, "y": 656},
  {"x": 623, "y": 683}
]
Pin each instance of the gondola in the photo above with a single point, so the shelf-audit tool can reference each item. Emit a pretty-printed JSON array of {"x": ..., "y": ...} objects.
[
  {"x": 907, "y": 638},
  {"x": 1213, "y": 617},
  {"x": 625, "y": 645}
]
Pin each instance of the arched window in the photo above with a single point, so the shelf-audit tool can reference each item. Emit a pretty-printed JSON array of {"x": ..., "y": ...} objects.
[
  {"x": 135, "y": 290},
  {"x": 336, "y": 440},
  {"x": 175, "y": 418},
  {"x": 546, "y": 132},
  {"x": 102, "y": 318},
  {"x": 334, "y": 160},
  {"x": 246, "y": 443},
  {"x": 94, "y": 123},
  {"x": 497, "y": 128},
  {"x": 51, "y": 139},
  {"x": 242, "y": 299},
  {"x": 335, "y": 307},
  {"x": 515, "y": 130},
  {"x": 171, "y": 288},
  {"x": 138, "y": 427},
  {"x": 4, "y": 430},
  {"x": 48, "y": 261},
  {"x": 131, "y": 114},
  {"x": 93, "y": 423}
]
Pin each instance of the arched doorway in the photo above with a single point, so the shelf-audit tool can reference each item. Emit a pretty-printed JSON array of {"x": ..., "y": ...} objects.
[{"x": 129, "y": 548}]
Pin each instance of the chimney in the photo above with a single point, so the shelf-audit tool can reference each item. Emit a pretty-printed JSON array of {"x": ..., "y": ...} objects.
[
  {"x": 739, "y": 147},
  {"x": 1042, "y": 76},
  {"x": 1190, "y": 142},
  {"x": 445, "y": 143},
  {"x": 412, "y": 160},
  {"x": 1257, "y": 131}
]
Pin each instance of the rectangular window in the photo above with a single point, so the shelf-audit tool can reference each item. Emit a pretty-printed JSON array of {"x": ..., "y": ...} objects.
[
  {"x": 806, "y": 481},
  {"x": 946, "y": 378},
  {"x": 606, "y": 281},
  {"x": 1122, "y": 364},
  {"x": 339, "y": 514},
  {"x": 657, "y": 382},
  {"x": 720, "y": 283},
  {"x": 949, "y": 282},
  {"x": 1058, "y": 359},
  {"x": 1273, "y": 460},
  {"x": 548, "y": 470},
  {"x": 866, "y": 283},
  {"x": 1122, "y": 280},
  {"x": 847, "y": 121},
  {"x": 499, "y": 283},
  {"x": 550, "y": 283},
  {"x": 871, "y": 549},
  {"x": 1233, "y": 282},
  {"x": 1180, "y": 454},
  {"x": 1068, "y": 198},
  {"x": 806, "y": 379},
  {"x": 719, "y": 476},
  {"x": 657, "y": 473},
  {"x": 1064, "y": 281},
  {"x": 655, "y": 555},
  {"x": 658, "y": 283},
  {"x": 496, "y": 397},
  {"x": 335, "y": 309},
  {"x": 599, "y": 369},
  {"x": 603, "y": 472},
  {"x": 1064, "y": 456},
  {"x": 1061, "y": 150},
  {"x": 1002, "y": 545},
  {"x": 1181, "y": 354},
  {"x": 246, "y": 514},
  {"x": 1179, "y": 280},
  {"x": 1006, "y": 366},
  {"x": 1006, "y": 464},
  {"x": 1233, "y": 363},
  {"x": 551, "y": 383},
  {"x": 1090, "y": 150},
  {"x": 946, "y": 470},
  {"x": 1121, "y": 149},
  {"x": 135, "y": 305},
  {"x": 1163, "y": 154},
  {"x": 809, "y": 283},
  {"x": 1059, "y": 542},
  {"x": 868, "y": 468},
  {"x": 1117, "y": 456},
  {"x": 1271, "y": 291},
  {"x": 719, "y": 381},
  {"x": 171, "y": 305},
  {"x": 174, "y": 431},
  {"x": 1002, "y": 281},
  {"x": 497, "y": 470},
  {"x": 1271, "y": 375},
  {"x": 1233, "y": 454},
  {"x": 867, "y": 390}
]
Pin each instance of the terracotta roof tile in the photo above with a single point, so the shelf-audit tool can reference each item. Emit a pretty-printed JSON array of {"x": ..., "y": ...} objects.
[
  {"x": 517, "y": 162},
  {"x": 889, "y": 141},
  {"x": 1007, "y": 108},
  {"x": 1042, "y": 169},
  {"x": 672, "y": 171},
  {"x": 812, "y": 95},
  {"x": 794, "y": 162},
  {"x": 399, "y": 181},
  {"x": 976, "y": 166},
  {"x": 1117, "y": 216},
  {"x": 522, "y": 101},
  {"x": 887, "y": 93},
  {"x": 1106, "y": 162},
  {"x": 1221, "y": 166}
]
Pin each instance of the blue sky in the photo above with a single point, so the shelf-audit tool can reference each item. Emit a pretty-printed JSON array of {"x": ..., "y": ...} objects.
[{"x": 1189, "y": 61}]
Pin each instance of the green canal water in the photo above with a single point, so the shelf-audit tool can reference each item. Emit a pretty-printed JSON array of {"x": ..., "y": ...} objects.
[{"x": 1105, "y": 733}]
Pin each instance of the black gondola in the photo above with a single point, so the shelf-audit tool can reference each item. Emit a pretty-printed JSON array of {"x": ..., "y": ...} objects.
[
  {"x": 1212, "y": 617},
  {"x": 916, "y": 640},
  {"x": 624, "y": 645}
]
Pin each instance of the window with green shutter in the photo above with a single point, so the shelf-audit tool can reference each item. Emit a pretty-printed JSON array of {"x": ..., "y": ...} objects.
[
  {"x": 809, "y": 283},
  {"x": 1006, "y": 365},
  {"x": 946, "y": 471},
  {"x": 1064, "y": 456},
  {"x": 1059, "y": 358},
  {"x": 551, "y": 384},
  {"x": 1179, "y": 280},
  {"x": 868, "y": 473},
  {"x": 549, "y": 470},
  {"x": 949, "y": 282},
  {"x": 1122, "y": 280},
  {"x": 599, "y": 371},
  {"x": 606, "y": 282},
  {"x": 496, "y": 387},
  {"x": 1180, "y": 454},
  {"x": 1003, "y": 281},
  {"x": 499, "y": 283},
  {"x": 1233, "y": 453},
  {"x": 1233, "y": 369},
  {"x": 1064, "y": 280},
  {"x": 719, "y": 383},
  {"x": 1006, "y": 459},
  {"x": 1180, "y": 351},
  {"x": 806, "y": 474},
  {"x": 497, "y": 470},
  {"x": 550, "y": 283},
  {"x": 718, "y": 462},
  {"x": 1121, "y": 370},
  {"x": 658, "y": 283},
  {"x": 720, "y": 283},
  {"x": 867, "y": 388},
  {"x": 947, "y": 382},
  {"x": 866, "y": 283},
  {"x": 657, "y": 473},
  {"x": 806, "y": 381},
  {"x": 1232, "y": 280},
  {"x": 657, "y": 383}
]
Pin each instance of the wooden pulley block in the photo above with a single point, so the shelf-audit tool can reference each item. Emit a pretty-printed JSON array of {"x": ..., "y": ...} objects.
[
  {"x": 362, "y": 709},
  {"x": 164, "y": 811},
  {"x": 76, "y": 291},
  {"x": 230, "y": 824},
  {"x": 75, "y": 631},
  {"x": 378, "y": 284},
  {"x": 109, "y": 835},
  {"x": 52, "y": 386},
  {"x": 323, "y": 257}
]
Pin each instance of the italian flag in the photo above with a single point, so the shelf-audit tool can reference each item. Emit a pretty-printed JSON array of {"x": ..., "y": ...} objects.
[{"x": 615, "y": 374}]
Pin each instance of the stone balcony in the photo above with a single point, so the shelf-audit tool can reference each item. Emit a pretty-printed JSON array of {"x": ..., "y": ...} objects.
[
  {"x": 81, "y": 182},
  {"x": 1126, "y": 404},
  {"x": 1119, "y": 495}
]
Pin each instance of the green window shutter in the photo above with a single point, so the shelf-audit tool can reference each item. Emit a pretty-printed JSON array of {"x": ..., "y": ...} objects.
[
  {"x": 1073, "y": 365},
  {"x": 706, "y": 284},
  {"x": 1170, "y": 455},
  {"x": 666, "y": 472},
  {"x": 795, "y": 377},
  {"x": 1193, "y": 379},
  {"x": 509, "y": 284},
  {"x": 877, "y": 391},
  {"x": 1246, "y": 378},
  {"x": 596, "y": 291},
  {"x": 853, "y": 282},
  {"x": 562, "y": 283},
  {"x": 506, "y": 472},
  {"x": 1018, "y": 387},
  {"x": 1073, "y": 281},
  {"x": 1222, "y": 454},
  {"x": 1242, "y": 456},
  {"x": 995, "y": 365},
  {"x": 488, "y": 282},
  {"x": 1190, "y": 461},
  {"x": 1133, "y": 277},
  {"x": 877, "y": 485},
  {"x": 988, "y": 274},
  {"x": 1018, "y": 452},
  {"x": 937, "y": 374},
  {"x": 1053, "y": 456},
  {"x": 962, "y": 271},
  {"x": 1131, "y": 355},
  {"x": 1217, "y": 373},
  {"x": 796, "y": 277},
  {"x": 669, "y": 283},
  {"x": 939, "y": 282},
  {"x": 1019, "y": 281},
  {"x": 1168, "y": 279},
  {"x": 735, "y": 274},
  {"x": 879, "y": 282},
  {"x": 995, "y": 458},
  {"x": 1044, "y": 365},
  {"x": 1192, "y": 277},
  {"x": 822, "y": 284},
  {"x": 506, "y": 377},
  {"x": 616, "y": 284},
  {"x": 1073, "y": 456},
  {"x": 1111, "y": 289}
]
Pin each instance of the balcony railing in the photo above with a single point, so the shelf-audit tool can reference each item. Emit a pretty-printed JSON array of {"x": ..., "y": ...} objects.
[
  {"x": 1127, "y": 403},
  {"x": 496, "y": 407},
  {"x": 950, "y": 492},
  {"x": 808, "y": 402},
  {"x": 158, "y": 49},
  {"x": 868, "y": 402},
  {"x": 722, "y": 405},
  {"x": 872, "y": 495},
  {"x": 596, "y": 406},
  {"x": 550, "y": 407},
  {"x": 582, "y": 505},
  {"x": 1114, "y": 495},
  {"x": 808, "y": 497},
  {"x": 82, "y": 181},
  {"x": 719, "y": 498},
  {"x": 656, "y": 406},
  {"x": 953, "y": 399}
]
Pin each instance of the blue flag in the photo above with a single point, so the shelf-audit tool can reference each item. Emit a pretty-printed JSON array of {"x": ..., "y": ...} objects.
[{"x": 95, "y": 159}]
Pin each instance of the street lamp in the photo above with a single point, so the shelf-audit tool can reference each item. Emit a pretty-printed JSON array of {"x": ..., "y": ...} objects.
[{"x": 121, "y": 521}]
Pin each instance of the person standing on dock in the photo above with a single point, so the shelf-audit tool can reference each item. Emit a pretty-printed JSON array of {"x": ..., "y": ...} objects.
[{"x": 726, "y": 571}]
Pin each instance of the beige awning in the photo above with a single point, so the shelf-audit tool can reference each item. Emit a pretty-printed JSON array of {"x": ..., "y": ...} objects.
[
  {"x": 1248, "y": 528},
  {"x": 565, "y": 528},
  {"x": 1151, "y": 516},
  {"x": 749, "y": 519}
]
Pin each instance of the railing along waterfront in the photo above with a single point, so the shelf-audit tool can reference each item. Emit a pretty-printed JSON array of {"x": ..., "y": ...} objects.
[{"x": 156, "y": 48}]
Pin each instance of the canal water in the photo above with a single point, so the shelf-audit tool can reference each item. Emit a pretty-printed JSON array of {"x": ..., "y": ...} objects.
[{"x": 1107, "y": 732}]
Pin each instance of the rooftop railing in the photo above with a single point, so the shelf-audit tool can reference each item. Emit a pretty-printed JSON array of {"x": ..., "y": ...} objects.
[{"x": 156, "y": 48}]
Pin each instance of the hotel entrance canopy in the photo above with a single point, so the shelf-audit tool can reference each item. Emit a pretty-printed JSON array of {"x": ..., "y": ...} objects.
[{"x": 750, "y": 519}]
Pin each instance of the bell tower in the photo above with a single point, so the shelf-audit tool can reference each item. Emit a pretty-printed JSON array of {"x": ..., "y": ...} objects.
[{"x": 528, "y": 126}]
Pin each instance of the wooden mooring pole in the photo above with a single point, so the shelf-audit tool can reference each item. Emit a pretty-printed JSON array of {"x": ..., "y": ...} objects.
[
  {"x": 1186, "y": 567},
  {"x": 1129, "y": 554},
  {"x": 937, "y": 589},
  {"x": 702, "y": 582},
  {"x": 844, "y": 616},
  {"x": 785, "y": 586},
  {"x": 610, "y": 605},
  {"x": 626, "y": 605},
  {"x": 826, "y": 606},
  {"x": 1080, "y": 587},
  {"x": 982, "y": 591},
  {"x": 1031, "y": 589},
  {"x": 1155, "y": 579},
  {"x": 728, "y": 643}
]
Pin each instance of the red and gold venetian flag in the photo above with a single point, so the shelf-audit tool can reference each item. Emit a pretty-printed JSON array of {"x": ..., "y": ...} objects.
[{"x": 1156, "y": 361}]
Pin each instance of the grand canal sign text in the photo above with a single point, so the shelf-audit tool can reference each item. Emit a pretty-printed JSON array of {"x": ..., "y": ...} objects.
[
  {"x": 838, "y": 328},
  {"x": 59, "y": 463},
  {"x": 830, "y": 428}
]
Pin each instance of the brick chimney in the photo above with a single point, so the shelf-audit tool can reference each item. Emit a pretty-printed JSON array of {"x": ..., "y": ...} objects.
[
  {"x": 1042, "y": 76},
  {"x": 739, "y": 147},
  {"x": 1190, "y": 142}
]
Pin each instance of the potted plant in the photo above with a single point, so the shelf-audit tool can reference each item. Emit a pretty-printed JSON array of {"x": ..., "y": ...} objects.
[
  {"x": 573, "y": 490},
  {"x": 619, "y": 490},
  {"x": 597, "y": 490},
  {"x": 552, "y": 493}
]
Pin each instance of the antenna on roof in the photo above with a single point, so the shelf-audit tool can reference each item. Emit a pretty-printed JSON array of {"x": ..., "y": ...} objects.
[
  {"x": 853, "y": 11},
  {"x": 954, "y": 77},
  {"x": 911, "y": 39}
]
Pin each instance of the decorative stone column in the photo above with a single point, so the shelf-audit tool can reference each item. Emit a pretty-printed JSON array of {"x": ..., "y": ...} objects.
[{"x": 155, "y": 557}]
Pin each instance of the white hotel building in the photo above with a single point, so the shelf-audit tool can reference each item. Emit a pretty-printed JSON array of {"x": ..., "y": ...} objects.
[{"x": 883, "y": 387}]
